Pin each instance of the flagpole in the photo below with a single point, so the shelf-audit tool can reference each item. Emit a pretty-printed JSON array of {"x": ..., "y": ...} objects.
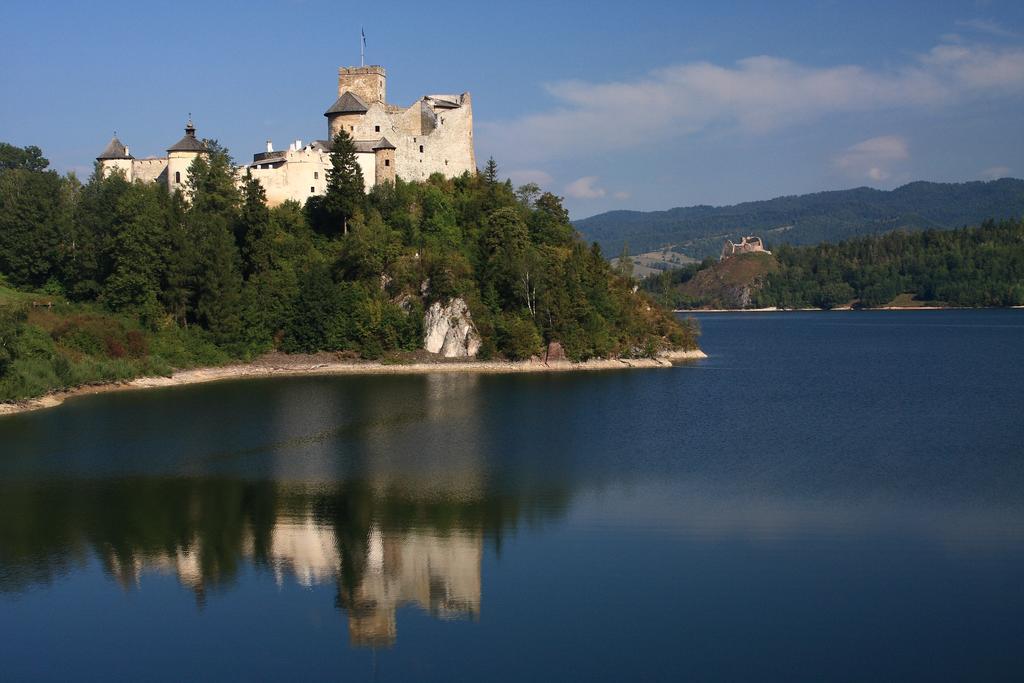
[{"x": 362, "y": 47}]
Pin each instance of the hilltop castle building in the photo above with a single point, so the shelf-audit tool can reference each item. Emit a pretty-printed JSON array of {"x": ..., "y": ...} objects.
[{"x": 433, "y": 135}]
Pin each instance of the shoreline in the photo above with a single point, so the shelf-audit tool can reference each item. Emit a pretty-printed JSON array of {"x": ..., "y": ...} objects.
[
  {"x": 280, "y": 365},
  {"x": 773, "y": 309}
]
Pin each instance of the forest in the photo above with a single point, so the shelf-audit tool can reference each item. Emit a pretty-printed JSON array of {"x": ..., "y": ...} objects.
[
  {"x": 980, "y": 266},
  {"x": 835, "y": 216},
  {"x": 108, "y": 280}
]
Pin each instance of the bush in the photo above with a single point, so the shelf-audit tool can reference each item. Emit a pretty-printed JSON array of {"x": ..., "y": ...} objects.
[{"x": 518, "y": 338}]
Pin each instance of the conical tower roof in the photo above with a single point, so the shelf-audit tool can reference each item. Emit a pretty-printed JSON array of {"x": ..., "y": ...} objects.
[
  {"x": 348, "y": 103},
  {"x": 114, "y": 150},
  {"x": 189, "y": 143}
]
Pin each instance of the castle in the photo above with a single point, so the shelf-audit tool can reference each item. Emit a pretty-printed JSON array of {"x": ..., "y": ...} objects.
[
  {"x": 433, "y": 135},
  {"x": 747, "y": 245}
]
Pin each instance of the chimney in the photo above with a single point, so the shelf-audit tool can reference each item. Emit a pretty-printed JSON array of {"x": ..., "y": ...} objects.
[
  {"x": 298, "y": 145},
  {"x": 127, "y": 152},
  {"x": 270, "y": 146}
]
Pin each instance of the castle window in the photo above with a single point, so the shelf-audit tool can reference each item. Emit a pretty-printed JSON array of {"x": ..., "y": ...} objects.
[
  {"x": 316, "y": 175},
  {"x": 312, "y": 190},
  {"x": 387, "y": 162},
  {"x": 376, "y": 129},
  {"x": 177, "y": 177},
  {"x": 421, "y": 149}
]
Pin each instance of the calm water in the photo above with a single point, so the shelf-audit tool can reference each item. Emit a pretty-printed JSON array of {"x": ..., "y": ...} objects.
[{"x": 830, "y": 496}]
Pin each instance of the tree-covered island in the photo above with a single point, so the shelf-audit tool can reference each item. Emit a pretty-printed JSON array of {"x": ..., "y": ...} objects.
[{"x": 109, "y": 280}]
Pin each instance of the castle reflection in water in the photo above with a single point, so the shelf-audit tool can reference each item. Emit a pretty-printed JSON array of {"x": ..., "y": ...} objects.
[
  {"x": 386, "y": 491},
  {"x": 438, "y": 573}
]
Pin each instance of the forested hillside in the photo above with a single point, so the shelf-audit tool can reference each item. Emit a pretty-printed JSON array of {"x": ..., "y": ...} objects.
[
  {"x": 979, "y": 266},
  {"x": 699, "y": 231},
  {"x": 111, "y": 279}
]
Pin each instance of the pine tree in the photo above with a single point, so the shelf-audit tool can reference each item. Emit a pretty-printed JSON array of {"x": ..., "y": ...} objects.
[
  {"x": 345, "y": 189},
  {"x": 253, "y": 227},
  {"x": 211, "y": 218}
]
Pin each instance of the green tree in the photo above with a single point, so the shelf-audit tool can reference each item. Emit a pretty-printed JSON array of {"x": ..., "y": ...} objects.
[
  {"x": 35, "y": 216},
  {"x": 253, "y": 227},
  {"x": 137, "y": 245},
  {"x": 345, "y": 194},
  {"x": 28, "y": 158},
  {"x": 216, "y": 274}
]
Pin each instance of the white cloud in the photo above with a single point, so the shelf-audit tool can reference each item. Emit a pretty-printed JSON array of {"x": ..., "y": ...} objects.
[
  {"x": 996, "y": 172},
  {"x": 530, "y": 175},
  {"x": 874, "y": 157},
  {"x": 585, "y": 188},
  {"x": 755, "y": 95}
]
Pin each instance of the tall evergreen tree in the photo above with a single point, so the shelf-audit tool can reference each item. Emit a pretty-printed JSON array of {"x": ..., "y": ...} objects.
[
  {"x": 211, "y": 218},
  {"x": 253, "y": 227},
  {"x": 345, "y": 189}
]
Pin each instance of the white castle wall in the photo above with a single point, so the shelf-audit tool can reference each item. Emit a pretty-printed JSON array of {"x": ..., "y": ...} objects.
[{"x": 445, "y": 136}]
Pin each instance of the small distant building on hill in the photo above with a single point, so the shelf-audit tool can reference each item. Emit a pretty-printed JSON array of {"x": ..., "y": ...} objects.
[
  {"x": 432, "y": 135},
  {"x": 747, "y": 245}
]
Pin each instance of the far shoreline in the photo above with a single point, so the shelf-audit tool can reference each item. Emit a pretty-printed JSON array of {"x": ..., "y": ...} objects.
[
  {"x": 773, "y": 309},
  {"x": 281, "y": 365}
]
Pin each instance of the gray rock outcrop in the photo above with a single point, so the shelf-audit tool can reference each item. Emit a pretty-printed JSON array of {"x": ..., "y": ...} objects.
[{"x": 448, "y": 330}]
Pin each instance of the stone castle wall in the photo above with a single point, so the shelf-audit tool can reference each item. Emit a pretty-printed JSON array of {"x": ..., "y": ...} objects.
[{"x": 369, "y": 82}]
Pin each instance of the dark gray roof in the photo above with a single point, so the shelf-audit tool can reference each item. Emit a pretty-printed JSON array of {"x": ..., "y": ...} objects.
[
  {"x": 364, "y": 145},
  {"x": 445, "y": 104},
  {"x": 114, "y": 150},
  {"x": 384, "y": 144},
  {"x": 268, "y": 157},
  {"x": 189, "y": 143},
  {"x": 348, "y": 103}
]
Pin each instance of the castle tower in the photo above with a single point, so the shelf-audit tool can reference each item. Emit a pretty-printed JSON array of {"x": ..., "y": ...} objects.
[
  {"x": 115, "y": 156},
  {"x": 180, "y": 156},
  {"x": 368, "y": 82},
  {"x": 345, "y": 113},
  {"x": 384, "y": 161}
]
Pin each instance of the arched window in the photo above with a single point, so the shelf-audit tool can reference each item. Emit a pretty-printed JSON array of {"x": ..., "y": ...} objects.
[{"x": 177, "y": 177}]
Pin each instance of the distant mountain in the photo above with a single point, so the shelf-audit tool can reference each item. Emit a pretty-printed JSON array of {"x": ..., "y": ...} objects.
[{"x": 698, "y": 231}]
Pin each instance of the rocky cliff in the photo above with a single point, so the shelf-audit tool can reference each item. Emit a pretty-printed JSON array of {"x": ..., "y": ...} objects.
[{"x": 448, "y": 330}]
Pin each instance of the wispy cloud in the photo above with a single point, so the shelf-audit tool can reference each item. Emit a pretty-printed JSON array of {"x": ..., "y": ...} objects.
[
  {"x": 873, "y": 158},
  {"x": 996, "y": 172},
  {"x": 753, "y": 96},
  {"x": 987, "y": 26},
  {"x": 585, "y": 188},
  {"x": 522, "y": 176}
]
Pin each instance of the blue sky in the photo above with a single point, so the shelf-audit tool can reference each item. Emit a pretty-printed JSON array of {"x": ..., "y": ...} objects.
[{"x": 641, "y": 105}]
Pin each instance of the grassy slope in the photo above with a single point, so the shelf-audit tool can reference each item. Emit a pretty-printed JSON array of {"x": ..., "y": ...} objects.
[{"x": 45, "y": 349}]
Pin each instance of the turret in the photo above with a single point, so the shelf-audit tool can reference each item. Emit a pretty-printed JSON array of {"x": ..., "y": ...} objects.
[
  {"x": 384, "y": 161},
  {"x": 180, "y": 156},
  {"x": 115, "y": 156}
]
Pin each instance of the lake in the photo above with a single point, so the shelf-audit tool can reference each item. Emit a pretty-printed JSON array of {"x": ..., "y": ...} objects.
[{"x": 830, "y": 496}]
